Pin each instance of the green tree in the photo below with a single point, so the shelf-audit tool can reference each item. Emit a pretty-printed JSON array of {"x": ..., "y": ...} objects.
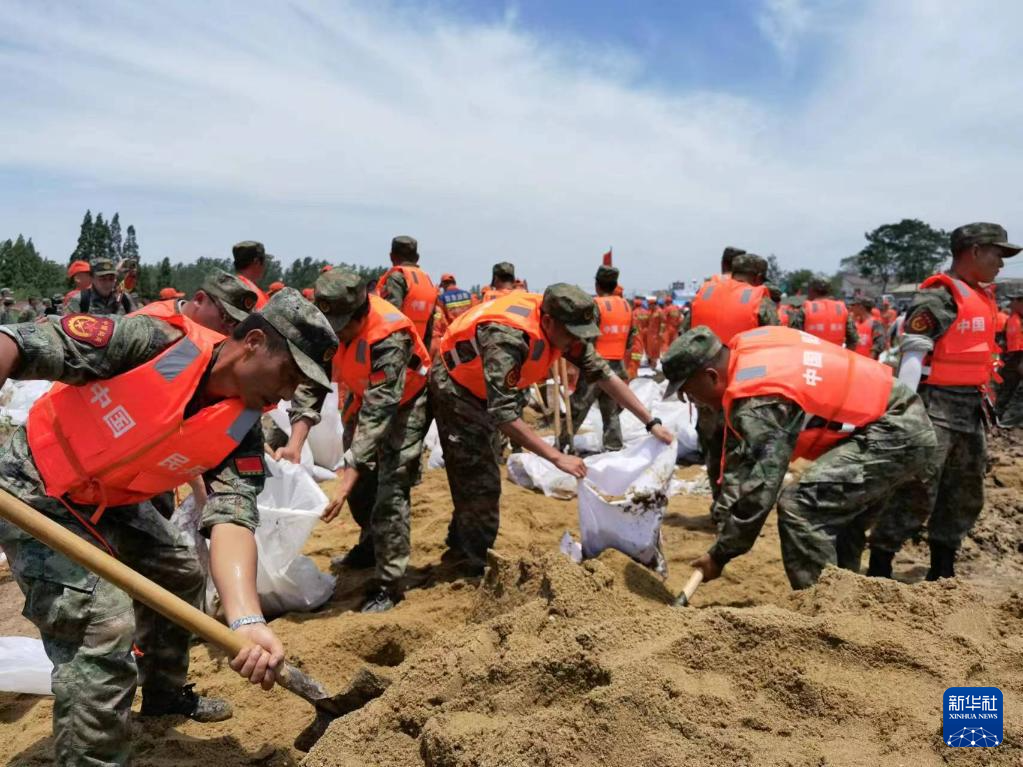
[
  {"x": 165, "y": 275},
  {"x": 775, "y": 275},
  {"x": 83, "y": 250},
  {"x": 100, "y": 238},
  {"x": 116, "y": 246},
  {"x": 130, "y": 249},
  {"x": 797, "y": 280},
  {"x": 908, "y": 251}
]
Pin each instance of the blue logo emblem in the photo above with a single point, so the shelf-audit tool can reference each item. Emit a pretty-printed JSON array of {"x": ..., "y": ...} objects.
[{"x": 972, "y": 716}]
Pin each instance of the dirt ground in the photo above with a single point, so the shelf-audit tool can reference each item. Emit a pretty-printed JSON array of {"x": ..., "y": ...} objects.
[{"x": 549, "y": 663}]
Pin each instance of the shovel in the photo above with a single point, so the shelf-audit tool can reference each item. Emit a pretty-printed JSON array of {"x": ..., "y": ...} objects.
[
  {"x": 364, "y": 688},
  {"x": 689, "y": 589}
]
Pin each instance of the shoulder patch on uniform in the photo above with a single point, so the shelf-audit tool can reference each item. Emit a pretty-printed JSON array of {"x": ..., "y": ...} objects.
[
  {"x": 377, "y": 376},
  {"x": 249, "y": 465},
  {"x": 88, "y": 329},
  {"x": 922, "y": 321},
  {"x": 512, "y": 379}
]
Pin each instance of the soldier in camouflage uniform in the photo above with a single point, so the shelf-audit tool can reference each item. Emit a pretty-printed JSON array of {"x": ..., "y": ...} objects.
[
  {"x": 823, "y": 517},
  {"x": 951, "y": 495},
  {"x": 404, "y": 252},
  {"x": 383, "y": 438},
  {"x": 87, "y": 625},
  {"x": 1010, "y": 392},
  {"x": 820, "y": 288},
  {"x": 103, "y": 297},
  {"x": 860, "y": 311},
  {"x": 471, "y": 428},
  {"x": 586, "y": 392}
]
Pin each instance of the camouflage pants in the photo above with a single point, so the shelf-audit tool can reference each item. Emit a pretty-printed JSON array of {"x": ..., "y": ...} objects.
[
  {"x": 710, "y": 433},
  {"x": 380, "y": 501},
  {"x": 1010, "y": 393},
  {"x": 824, "y": 517},
  {"x": 87, "y": 625},
  {"x": 471, "y": 443},
  {"x": 582, "y": 400},
  {"x": 948, "y": 497}
]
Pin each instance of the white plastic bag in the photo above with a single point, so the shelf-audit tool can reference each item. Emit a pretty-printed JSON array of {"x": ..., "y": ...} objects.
[
  {"x": 622, "y": 502},
  {"x": 24, "y": 666},
  {"x": 432, "y": 443},
  {"x": 326, "y": 438},
  {"x": 17, "y": 398},
  {"x": 535, "y": 473}
]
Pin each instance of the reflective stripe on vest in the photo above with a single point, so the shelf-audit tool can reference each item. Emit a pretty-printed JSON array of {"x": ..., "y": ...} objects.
[
  {"x": 964, "y": 354},
  {"x": 837, "y": 388},
  {"x": 125, "y": 439},
  {"x": 727, "y": 306},
  {"x": 353, "y": 363},
  {"x": 826, "y": 318},
  {"x": 420, "y": 294},
  {"x": 615, "y": 324},
  {"x": 519, "y": 310}
]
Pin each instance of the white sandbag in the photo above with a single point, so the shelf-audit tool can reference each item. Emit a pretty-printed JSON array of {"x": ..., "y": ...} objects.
[
  {"x": 24, "y": 666},
  {"x": 432, "y": 443},
  {"x": 17, "y": 398},
  {"x": 535, "y": 473},
  {"x": 326, "y": 438},
  {"x": 622, "y": 502},
  {"x": 279, "y": 416}
]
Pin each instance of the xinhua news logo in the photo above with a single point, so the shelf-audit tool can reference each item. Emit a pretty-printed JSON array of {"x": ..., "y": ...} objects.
[{"x": 973, "y": 717}]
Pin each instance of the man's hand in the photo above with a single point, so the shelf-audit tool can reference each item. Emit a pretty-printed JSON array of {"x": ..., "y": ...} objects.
[
  {"x": 289, "y": 452},
  {"x": 258, "y": 661},
  {"x": 663, "y": 434},
  {"x": 571, "y": 464},
  {"x": 346, "y": 481},
  {"x": 707, "y": 566}
]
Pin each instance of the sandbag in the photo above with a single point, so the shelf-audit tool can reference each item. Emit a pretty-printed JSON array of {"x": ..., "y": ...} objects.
[
  {"x": 326, "y": 438},
  {"x": 432, "y": 443},
  {"x": 24, "y": 666},
  {"x": 17, "y": 398}
]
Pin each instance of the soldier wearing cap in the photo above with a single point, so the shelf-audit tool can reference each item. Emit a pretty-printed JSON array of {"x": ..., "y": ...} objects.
[
  {"x": 502, "y": 281},
  {"x": 1010, "y": 394},
  {"x": 8, "y": 315},
  {"x": 489, "y": 358},
  {"x": 103, "y": 296},
  {"x": 870, "y": 335},
  {"x": 408, "y": 287},
  {"x": 220, "y": 304},
  {"x": 123, "y": 410},
  {"x": 948, "y": 349},
  {"x": 824, "y": 317},
  {"x": 614, "y": 318},
  {"x": 250, "y": 266},
  {"x": 786, "y": 394},
  {"x": 383, "y": 362},
  {"x": 728, "y": 304},
  {"x": 727, "y": 257}
]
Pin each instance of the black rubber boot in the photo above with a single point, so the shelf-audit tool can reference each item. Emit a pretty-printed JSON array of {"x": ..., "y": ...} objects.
[
  {"x": 185, "y": 702},
  {"x": 380, "y": 600},
  {"x": 942, "y": 562},
  {"x": 359, "y": 557},
  {"x": 880, "y": 563}
]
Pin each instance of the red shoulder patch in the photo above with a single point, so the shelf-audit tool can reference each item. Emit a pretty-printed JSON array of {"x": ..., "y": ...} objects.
[
  {"x": 249, "y": 465},
  {"x": 512, "y": 379},
  {"x": 921, "y": 322},
  {"x": 87, "y": 329}
]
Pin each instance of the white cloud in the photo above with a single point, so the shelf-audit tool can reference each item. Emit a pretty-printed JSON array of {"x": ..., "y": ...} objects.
[
  {"x": 783, "y": 23},
  {"x": 324, "y": 129}
]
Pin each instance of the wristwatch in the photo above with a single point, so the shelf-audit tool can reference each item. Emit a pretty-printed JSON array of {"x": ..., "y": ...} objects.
[
  {"x": 247, "y": 620},
  {"x": 653, "y": 422}
]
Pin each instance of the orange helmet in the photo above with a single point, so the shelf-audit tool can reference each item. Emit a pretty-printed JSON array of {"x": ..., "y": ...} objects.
[
  {"x": 79, "y": 267},
  {"x": 325, "y": 268},
  {"x": 307, "y": 293},
  {"x": 274, "y": 287},
  {"x": 166, "y": 293}
]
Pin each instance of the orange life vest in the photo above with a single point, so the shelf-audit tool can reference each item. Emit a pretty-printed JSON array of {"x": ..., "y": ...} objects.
[
  {"x": 783, "y": 313},
  {"x": 641, "y": 316},
  {"x": 826, "y": 318},
  {"x": 1014, "y": 333},
  {"x": 261, "y": 298},
  {"x": 161, "y": 309},
  {"x": 875, "y": 313},
  {"x": 352, "y": 366},
  {"x": 839, "y": 390},
  {"x": 1000, "y": 319},
  {"x": 518, "y": 310},
  {"x": 615, "y": 324},
  {"x": 491, "y": 293},
  {"x": 420, "y": 296},
  {"x": 964, "y": 354},
  {"x": 865, "y": 337},
  {"x": 125, "y": 439},
  {"x": 727, "y": 306}
]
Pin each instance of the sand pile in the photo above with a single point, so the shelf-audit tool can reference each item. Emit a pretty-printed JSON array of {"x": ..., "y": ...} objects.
[{"x": 565, "y": 664}]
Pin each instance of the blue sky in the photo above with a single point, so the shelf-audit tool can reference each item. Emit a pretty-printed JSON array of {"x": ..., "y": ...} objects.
[{"x": 535, "y": 132}]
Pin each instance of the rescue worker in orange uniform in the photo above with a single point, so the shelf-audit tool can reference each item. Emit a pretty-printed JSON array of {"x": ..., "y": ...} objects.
[
  {"x": 1010, "y": 392},
  {"x": 728, "y": 304},
  {"x": 948, "y": 351},
  {"x": 640, "y": 317},
  {"x": 490, "y": 357},
  {"x": 786, "y": 394},
  {"x": 614, "y": 318},
  {"x": 502, "y": 281},
  {"x": 383, "y": 362},
  {"x": 653, "y": 333},
  {"x": 825, "y": 317},
  {"x": 250, "y": 266},
  {"x": 870, "y": 336},
  {"x": 408, "y": 287},
  {"x": 143, "y": 404},
  {"x": 671, "y": 321}
]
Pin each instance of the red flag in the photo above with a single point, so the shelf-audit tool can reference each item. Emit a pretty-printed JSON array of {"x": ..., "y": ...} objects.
[{"x": 607, "y": 258}]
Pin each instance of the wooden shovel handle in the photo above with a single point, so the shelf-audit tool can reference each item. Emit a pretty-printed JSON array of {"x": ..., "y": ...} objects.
[{"x": 690, "y": 588}]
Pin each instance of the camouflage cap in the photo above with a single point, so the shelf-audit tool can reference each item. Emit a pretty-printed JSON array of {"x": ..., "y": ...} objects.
[
  {"x": 310, "y": 339},
  {"x": 248, "y": 248},
  {"x": 688, "y": 354},
  {"x": 573, "y": 308},
  {"x": 5, "y": 292},
  {"x": 234, "y": 296},
  {"x": 607, "y": 273},
  {"x": 819, "y": 285},
  {"x": 339, "y": 294},
  {"x": 405, "y": 247},
  {"x": 774, "y": 290},
  {"x": 749, "y": 263},
  {"x": 865, "y": 301},
  {"x": 504, "y": 270},
  {"x": 57, "y": 298},
  {"x": 103, "y": 266},
  {"x": 982, "y": 233}
]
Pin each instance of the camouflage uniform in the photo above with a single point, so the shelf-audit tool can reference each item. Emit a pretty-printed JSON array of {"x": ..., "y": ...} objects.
[
  {"x": 797, "y": 320},
  {"x": 87, "y": 625},
  {"x": 1009, "y": 406},
  {"x": 395, "y": 288},
  {"x": 823, "y": 517},
  {"x": 470, "y": 434}
]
